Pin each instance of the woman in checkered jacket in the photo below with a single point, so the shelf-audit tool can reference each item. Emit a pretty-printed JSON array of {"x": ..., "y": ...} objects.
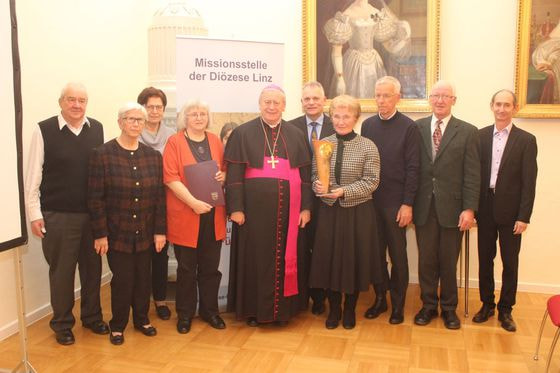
[{"x": 345, "y": 258}]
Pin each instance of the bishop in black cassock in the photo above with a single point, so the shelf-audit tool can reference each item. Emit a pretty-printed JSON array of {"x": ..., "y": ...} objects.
[{"x": 268, "y": 196}]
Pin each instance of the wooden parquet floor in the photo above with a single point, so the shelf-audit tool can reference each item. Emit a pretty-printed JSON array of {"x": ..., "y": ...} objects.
[{"x": 304, "y": 345}]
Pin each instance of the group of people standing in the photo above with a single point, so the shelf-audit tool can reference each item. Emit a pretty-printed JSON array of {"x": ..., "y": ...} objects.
[{"x": 293, "y": 237}]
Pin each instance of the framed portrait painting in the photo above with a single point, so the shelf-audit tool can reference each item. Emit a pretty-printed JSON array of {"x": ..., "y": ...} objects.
[
  {"x": 537, "y": 71},
  {"x": 349, "y": 44}
]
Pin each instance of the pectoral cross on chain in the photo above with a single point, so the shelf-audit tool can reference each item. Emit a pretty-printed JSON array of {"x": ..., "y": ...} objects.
[{"x": 272, "y": 161}]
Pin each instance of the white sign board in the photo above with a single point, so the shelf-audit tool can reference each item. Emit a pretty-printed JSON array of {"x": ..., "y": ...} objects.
[{"x": 228, "y": 74}]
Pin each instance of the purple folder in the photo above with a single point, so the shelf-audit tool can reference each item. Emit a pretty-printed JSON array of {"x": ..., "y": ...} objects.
[{"x": 200, "y": 179}]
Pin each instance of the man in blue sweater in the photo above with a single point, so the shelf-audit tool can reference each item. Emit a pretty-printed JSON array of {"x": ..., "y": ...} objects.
[{"x": 398, "y": 143}]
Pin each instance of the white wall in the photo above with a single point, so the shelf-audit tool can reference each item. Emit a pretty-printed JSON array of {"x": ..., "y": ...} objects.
[{"x": 104, "y": 45}]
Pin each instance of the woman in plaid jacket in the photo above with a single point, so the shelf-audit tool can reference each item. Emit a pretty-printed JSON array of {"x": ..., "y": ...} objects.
[
  {"x": 126, "y": 201},
  {"x": 345, "y": 258}
]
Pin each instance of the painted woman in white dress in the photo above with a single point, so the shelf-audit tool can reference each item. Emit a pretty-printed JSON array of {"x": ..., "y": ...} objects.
[{"x": 359, "y": 25}]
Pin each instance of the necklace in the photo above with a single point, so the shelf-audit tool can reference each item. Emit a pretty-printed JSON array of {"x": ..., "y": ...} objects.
[
  {"x": 272, "y": 161},
  {"x": 196, "y": 145}
]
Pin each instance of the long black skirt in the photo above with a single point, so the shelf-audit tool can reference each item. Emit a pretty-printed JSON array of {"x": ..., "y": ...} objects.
[{"x": 345, "y": 253}]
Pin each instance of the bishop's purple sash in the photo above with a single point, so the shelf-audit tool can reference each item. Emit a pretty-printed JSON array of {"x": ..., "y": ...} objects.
[{"x": 283, "y": 171}]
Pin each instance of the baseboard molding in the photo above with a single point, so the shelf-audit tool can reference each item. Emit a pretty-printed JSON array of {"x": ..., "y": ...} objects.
[
  {"x": 37, "y": 314},
  {"x": 529, "y": 287},
  {"x": 40, "y": 312}
]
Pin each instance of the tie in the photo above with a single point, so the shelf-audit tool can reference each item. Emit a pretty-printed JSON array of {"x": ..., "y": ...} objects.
[
  {"x": 436, "y": 137},
  {"x": 313, "y": 131}
]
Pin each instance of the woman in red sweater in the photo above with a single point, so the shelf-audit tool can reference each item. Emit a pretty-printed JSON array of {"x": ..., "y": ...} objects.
[{"x": 195, "y": 227}]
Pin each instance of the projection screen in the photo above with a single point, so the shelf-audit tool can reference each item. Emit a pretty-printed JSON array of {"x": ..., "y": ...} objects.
[{"x": 13, "y": 230}]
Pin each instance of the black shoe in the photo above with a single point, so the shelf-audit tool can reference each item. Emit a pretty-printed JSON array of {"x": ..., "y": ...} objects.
[
  {"x": 98, "y": 327},
  {"x": 333, "y": 319},
  {"x": 485, "y": 312},
  {"x": 252, "y": 322},
  {"x": 450, "y": 319},
  {"x": 281, "y": 323},
  {"x": 149, "y": 331},
  {"x": 377, "y": 309},
  {"x": 184, "y": 326},
  {"x": 65, "y": 337},
  {"x": 424, "y": 316},
  {"x": 216, "y": 322},
  {"x": 507, "y": 321},
  {"x": 397, "y": 317},
  {"x": 318, "y": 308},
  {"x": 163, "y": 312},
  {"x": 349, "y": 318},
  {"x": 116, "y": 339}
]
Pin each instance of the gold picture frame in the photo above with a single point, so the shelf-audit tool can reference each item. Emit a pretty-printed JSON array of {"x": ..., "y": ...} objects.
[
  {"x": 417, "y": 74},
  {"x": 535, "y": 82}
]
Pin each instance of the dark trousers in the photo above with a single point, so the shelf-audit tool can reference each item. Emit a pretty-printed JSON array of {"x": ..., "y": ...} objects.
[
  {"x": 198, "y": 268},
  {"x": 393, "y": 237},
  {"x": 438, "y": 252},
  {"x": 68, "y": 242},
  {"x": 510, "y": 245},
  {"x": 130, "y": 287},
  {"x": 159, "y": 273}
]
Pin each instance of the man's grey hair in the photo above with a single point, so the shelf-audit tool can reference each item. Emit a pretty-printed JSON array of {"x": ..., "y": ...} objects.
[
  {"x": 387, "y": 79},
  {"x": 445, "y": 84},
  {"x": 75, "y": 85},
  {"x": 314, "y": 84}
]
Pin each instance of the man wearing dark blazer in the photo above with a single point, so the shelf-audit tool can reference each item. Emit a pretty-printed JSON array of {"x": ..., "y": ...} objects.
[
  {"x": 508, "y": 160},
  {"x": 445, "y": 203},
  {"x": 314, "y": 124}
]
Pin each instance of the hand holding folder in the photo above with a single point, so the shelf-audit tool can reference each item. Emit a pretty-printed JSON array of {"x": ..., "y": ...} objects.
[{"x": 200, "y": 179}]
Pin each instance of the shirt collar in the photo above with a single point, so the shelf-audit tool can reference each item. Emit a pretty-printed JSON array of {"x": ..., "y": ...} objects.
[
  {"x": 444, "y": 121},
  {"x": 62, "y": 122},
  {"x": 389, "y": 117},
  {"x": 507, "y": 129},
  {"x": 319, "y": 120}
]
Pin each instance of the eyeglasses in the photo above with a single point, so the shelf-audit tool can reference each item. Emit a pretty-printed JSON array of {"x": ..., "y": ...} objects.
[
  {"x": 197, "y": 115},
  {"x": 73, "y": 100},
  {"x": 131, "y": 120},
  {"x": 154, "y": 107},
  {"x": 441, "y": 97}
]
